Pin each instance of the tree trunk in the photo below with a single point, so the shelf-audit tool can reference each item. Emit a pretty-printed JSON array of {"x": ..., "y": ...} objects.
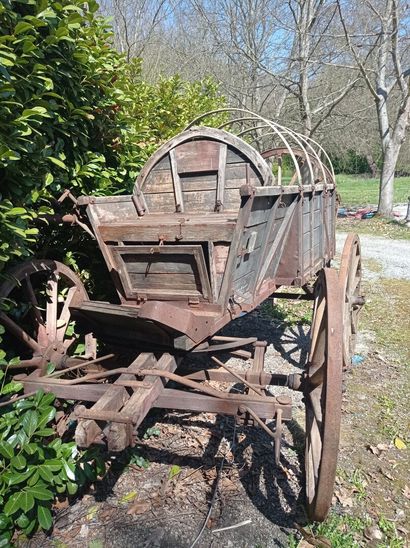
[
  {"x": 390, "y": 156},
  {"x": 372, "y": 165}
]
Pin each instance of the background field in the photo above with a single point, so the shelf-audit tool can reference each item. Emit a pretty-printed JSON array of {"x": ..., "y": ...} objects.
[{"x": 356, "y": 190}]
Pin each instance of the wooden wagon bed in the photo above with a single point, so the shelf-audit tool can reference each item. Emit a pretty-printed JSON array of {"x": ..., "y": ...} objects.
[{"x": 205, "y": 236}]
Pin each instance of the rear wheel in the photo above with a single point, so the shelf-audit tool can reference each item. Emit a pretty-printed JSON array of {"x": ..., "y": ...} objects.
[{"x": 350, "y": 276}]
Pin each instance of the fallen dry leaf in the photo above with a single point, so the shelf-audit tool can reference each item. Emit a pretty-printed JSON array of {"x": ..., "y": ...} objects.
[
  {"x": 378, "y": 449},
  {"x": 139, "y": 507},
  {"x": 399, "y": 443},
  {"x": 128, "y": 497},
  {"x": 92, "y": 512},
  {"x": 386, "y": 474},
  {"x": 406, "y": 491},
  {"x": 61, "y": 504},
  {"x": 304, "y": 544},
  {"x": 344, "y": 497},
  {"x": 373, "y": 533}
]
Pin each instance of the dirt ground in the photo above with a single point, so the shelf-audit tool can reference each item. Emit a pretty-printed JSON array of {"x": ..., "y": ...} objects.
[{"x": 159, "y": 495}]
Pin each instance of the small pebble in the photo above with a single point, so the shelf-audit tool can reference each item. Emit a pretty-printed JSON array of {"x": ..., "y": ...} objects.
[{"x": 373, "y": 533}]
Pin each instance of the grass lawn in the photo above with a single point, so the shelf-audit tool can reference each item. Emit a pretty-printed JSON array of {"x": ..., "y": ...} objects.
[
  {"x": 358, "y": 191},
  {"x": 377, "y": 226}
]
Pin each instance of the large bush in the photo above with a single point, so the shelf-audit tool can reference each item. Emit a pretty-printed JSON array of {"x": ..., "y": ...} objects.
[{"x": 73, "y": 114}]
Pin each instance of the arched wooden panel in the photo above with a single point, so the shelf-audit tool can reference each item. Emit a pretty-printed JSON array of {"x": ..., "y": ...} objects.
[{"x": 200, "y": 170}]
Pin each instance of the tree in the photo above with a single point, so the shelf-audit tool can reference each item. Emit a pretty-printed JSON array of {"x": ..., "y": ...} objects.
[
  {"x": 135, "y": 22},
  {"x": 286, "y": 47},
  {"x": 379, "y": 49}
]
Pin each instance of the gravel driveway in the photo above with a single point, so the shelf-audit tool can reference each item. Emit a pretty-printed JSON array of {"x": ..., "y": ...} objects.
[{"x": 393, "y": 256}]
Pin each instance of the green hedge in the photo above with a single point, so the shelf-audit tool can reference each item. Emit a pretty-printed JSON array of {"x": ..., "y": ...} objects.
[{"x": 73, "y": 114}]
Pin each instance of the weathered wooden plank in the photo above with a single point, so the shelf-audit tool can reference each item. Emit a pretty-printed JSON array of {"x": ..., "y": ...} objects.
[
  {"x": 113, "y": 399},
  {"x": 159, "y": 182},
  {"x": 227, "y": 280},
  {"x": 242, "y": 284},
  {"x": 240, "y": 148},
  {"x": 195, "y": 156},
  {"x": 138, "y": 405},
  {"x": 79, "y": 392},
  {"x": 222, "y": 231},
  {"x": 221, "y": 178},
  {"x": 184, "y": 253},
  {"x": 146, "y": 265},
  {"x": 198, "y": 183},
  {"x": 163, "y": 203},
  {"x": 163, "y": 164},
  {"x": 142, "y": 283},
  {"x": 280, "y": 237},
  {"x": 179, "y": 201}
]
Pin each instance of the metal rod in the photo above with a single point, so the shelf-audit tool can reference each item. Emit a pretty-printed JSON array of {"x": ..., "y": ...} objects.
[
  {"x": 78, "y": 366},
  {"x": 22, "y": 397},
  {"x": 153, "y": 372},
  {"x": 246, "y": 409},
  {"x": 236, "y": 376},
  {"x": 296, "y": 296}
]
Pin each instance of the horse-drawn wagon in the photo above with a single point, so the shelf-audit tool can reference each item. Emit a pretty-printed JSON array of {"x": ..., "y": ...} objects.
[{"x": 212, "y": 229}]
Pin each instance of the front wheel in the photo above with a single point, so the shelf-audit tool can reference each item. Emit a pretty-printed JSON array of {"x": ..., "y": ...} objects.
[
  {"x": 323, "y": 395},
  {"x": 35, "y": 303}
]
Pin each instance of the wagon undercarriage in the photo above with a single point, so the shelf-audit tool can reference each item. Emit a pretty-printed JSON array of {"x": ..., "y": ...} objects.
[{"x": 210, "y": 232}]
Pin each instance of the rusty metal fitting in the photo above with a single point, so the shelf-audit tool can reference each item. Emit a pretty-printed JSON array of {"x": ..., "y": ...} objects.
[
  {"x": 283, "y": 400},
  {"x": 295, "y": 381}
]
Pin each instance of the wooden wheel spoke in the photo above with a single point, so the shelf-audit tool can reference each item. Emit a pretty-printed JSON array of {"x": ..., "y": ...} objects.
[
  {"x": 350, "y": 281},
  {"x": 317, "y": 376},
  {"x": 19, "y": 332},
  {"x": 51, "y": 308},
  {"x": 316, "y": 324},
  {"x": 315, "y": 447},
  {"x": 353, "y": 269},
  {"x": 64, "y": 317},
  {"x": 31, "y": 296}
]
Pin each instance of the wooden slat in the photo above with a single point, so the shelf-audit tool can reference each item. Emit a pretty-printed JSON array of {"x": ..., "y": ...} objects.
[
  {"x": 80, "y": 392},
  {"x": 280, "y": 237},
  {"x": 139, "y": 404},
  {"x": 243, "y": 217},
  {"x": 202, "y": 231},
  {"x": 179, "y": 201},
  {"x": 220, "y": 189},
  {"x": 197, "y": 156},
  {"x": 113, "y": 399},
  {"x": 164, "y": 281}
]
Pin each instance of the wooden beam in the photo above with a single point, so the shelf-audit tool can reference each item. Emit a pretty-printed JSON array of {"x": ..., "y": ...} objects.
[
  {"x": 113, "y": 399},
  {"x": 179, "y": 201},
  {"x": 220, "y": 189},
  {"x": 139, "y": 404},
  {"x": 280, "y": 238}
]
